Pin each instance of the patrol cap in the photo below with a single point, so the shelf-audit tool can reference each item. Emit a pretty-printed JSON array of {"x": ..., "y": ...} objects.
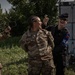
[{"x": 64, "y": 16}]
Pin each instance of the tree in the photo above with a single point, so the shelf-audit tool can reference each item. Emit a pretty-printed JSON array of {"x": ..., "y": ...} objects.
[
  {"x": 48, "y": 7},
  {"x": 25, "y": 8},
  {"x": 3, "y": 20}
]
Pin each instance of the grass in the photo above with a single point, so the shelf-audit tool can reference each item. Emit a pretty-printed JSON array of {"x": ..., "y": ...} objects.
[{"x": 14, "y": 59}]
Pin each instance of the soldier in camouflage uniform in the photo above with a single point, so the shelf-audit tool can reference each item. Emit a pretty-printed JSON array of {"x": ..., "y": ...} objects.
[{"x": 38, "y": 43}]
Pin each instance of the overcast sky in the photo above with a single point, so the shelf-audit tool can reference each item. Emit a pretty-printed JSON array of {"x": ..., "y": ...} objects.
[{"x": 5, "y": 5}]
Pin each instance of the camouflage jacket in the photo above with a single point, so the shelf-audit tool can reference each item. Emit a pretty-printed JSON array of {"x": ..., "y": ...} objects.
[{"x": 38, "y": 44}]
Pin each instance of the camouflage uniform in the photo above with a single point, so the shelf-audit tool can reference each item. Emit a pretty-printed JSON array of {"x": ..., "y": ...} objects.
[{"x": 39, "y": 46}]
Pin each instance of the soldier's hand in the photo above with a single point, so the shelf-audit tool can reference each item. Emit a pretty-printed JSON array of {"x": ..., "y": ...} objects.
[{"x": 45, "y": 20}]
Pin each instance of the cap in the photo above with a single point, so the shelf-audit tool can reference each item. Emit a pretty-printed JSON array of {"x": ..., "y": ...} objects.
[{"x": 64, "y": 16}]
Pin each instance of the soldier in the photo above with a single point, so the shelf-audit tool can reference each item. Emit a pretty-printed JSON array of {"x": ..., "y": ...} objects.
[
  {"x": 61, "y": 37},
  {"x": 3, "y": 35},
  {"x": 38, "y": 43}
]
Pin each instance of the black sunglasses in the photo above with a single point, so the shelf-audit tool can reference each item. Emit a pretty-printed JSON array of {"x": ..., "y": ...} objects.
[{"x": 63, "y": 19}]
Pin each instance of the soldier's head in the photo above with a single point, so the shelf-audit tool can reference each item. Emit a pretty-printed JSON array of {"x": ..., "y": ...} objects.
[
  {"x": 34, "y": 22},
  {"x": 63, "y": 19}
]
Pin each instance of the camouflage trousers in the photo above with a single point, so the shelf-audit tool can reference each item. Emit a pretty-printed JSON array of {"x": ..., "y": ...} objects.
[{"x": 41, "y": 67}]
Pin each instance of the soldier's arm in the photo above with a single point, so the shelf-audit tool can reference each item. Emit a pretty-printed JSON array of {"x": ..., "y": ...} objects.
[{"x": 23, "y": 42}]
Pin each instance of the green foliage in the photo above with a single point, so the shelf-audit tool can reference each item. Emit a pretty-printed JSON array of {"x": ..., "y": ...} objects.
[
  {"x": 43, "y": 7},
  {"x": 3, "y": 21},
  {"x": 14, "y": 61},
  {"x": 10, "y": 42},
  {"x": 70, "y": 71},
  {"x": 23, "y": 9},
  {"x": 17, "y": 22}
]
